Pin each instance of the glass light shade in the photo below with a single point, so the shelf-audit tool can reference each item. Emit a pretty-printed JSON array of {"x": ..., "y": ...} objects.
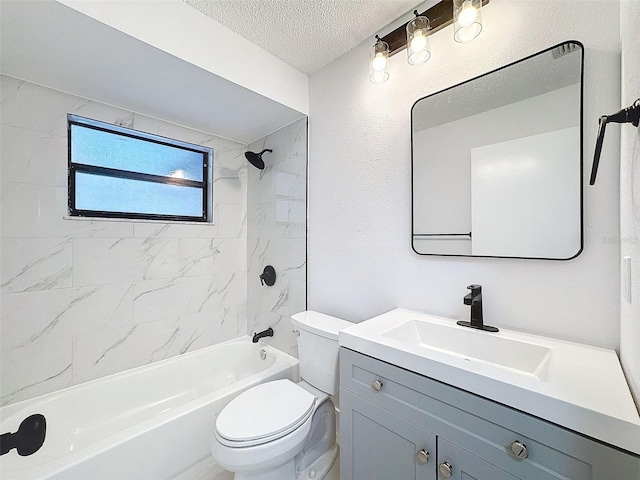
[
  {"x": 418, "y": 50},
  {"x": 379, "y": 62},
  {"x": 467, "y": 20}
]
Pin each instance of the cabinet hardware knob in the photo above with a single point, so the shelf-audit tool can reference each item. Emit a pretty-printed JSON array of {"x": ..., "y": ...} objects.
[
  {"x": 519, "y": 449},
  {"x": 446, "y": 470},
  {"x": 377, "y": 385},
  {"x": 423, "y": 456}
]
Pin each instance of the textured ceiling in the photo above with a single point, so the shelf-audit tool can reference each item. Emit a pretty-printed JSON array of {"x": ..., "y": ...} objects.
[{"x": 307, "y": 34}]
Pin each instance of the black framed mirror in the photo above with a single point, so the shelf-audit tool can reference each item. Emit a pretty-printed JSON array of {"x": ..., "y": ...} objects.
[{"x": 496, "y": 161}]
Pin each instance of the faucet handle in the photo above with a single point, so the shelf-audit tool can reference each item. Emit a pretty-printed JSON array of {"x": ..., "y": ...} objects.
[{"x": 475, "y": 289}]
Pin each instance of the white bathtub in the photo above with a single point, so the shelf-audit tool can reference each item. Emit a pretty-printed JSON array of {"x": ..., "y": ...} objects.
[{"x": 151, "y": 422}]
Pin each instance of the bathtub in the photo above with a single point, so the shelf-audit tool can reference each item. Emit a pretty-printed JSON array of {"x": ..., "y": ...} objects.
[{"x": 151, "y": 422}]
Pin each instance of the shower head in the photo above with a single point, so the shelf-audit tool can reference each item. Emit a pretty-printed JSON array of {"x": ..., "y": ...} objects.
[{"x": 255, "y": 159}]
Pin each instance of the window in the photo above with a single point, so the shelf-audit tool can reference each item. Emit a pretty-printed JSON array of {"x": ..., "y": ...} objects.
[{"x": 122, "y": 173}]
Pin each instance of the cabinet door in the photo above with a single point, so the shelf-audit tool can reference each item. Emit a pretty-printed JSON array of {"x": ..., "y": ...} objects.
[
  {"x": 455, "y": 463},
  {"x": 375, "y": 444}
]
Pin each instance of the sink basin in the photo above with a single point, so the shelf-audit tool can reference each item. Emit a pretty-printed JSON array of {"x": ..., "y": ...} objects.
[
  {"x": 580, "y": 387},
  {"x": 507, "y": 353}
]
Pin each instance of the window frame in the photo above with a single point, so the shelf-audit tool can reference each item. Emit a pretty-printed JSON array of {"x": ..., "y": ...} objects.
[{"x": 73, "y": 168}]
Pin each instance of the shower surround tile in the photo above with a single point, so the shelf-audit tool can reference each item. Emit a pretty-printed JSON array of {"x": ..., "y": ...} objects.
[
  {"x": 41, "y": 109},
  {"x": 38, "y": 211},
  {"x": 106, "y": 260},
  {"x": 38, "y": 317},
  {"x": 198, "y": 256},
  {"x": 98, "y": 354},
  {"x": 197, "y": 331},
  {"x": 231, "y": 220},
  {"x": 298, "y": 138},
  {"x": 84, "y": 298},
  {"x": 33, "y": 157},
  {"x": 160, "y": 299},
  {"x": 276, "y": 212},
  {"x": 179, "y": 230},
  {"x": 35, "y": 370},
  {"x": 32, "y": 264}
]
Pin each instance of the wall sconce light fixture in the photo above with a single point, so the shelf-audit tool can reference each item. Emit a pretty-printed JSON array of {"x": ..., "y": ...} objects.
[
  {"x": 467, "y": 20},
  {"x": 379, "y": 61},
  {"x": 418, "y": 50},
  {"x": 465, "y": 15}
]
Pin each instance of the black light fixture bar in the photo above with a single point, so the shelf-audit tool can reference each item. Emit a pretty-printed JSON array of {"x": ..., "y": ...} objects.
[{"x": 440, "y": 16}]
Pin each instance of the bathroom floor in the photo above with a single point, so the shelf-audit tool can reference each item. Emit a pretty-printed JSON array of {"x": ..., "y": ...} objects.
[{"x": 209, "y": 470}]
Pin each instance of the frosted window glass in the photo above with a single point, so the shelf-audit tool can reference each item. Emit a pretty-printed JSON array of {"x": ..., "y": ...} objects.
[
  {"x": 119, "y": 172},
  {"x": 111, "y": 194},
  {"x": 111, "y": 150}
]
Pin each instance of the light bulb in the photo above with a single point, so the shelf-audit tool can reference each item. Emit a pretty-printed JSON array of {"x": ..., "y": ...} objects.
[
  {"x": 379, "y": 62},
  {"x": 467, "y": 15},
  {"x": 418, "y": 42}
]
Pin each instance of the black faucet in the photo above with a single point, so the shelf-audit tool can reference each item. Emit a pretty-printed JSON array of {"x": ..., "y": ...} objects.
[
  {"x": 475, "y": 300},
  {"x": 267, "y": 333}
]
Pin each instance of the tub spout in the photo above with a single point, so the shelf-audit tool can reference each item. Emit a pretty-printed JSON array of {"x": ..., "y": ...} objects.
[{"x": 267, "y": 333}]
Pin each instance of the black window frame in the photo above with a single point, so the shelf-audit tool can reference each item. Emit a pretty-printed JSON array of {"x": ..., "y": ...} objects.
[{"x": 73, "y": 168}]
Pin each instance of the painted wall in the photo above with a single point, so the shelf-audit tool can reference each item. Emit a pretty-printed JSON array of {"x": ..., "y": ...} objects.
[
  {"x": 277, "y": 215},
  {"x": 630, "y": 195},
  {"x": 360, "y": 258},
  {"x": 259, "y": 70},
  {"x": 83, "y": 299}
]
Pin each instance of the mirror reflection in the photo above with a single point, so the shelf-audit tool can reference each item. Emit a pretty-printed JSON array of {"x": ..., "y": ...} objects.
[{"x": 497, "y": 162}]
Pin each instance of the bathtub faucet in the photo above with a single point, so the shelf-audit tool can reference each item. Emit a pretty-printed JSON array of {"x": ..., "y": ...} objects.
[{"x": 267, "y": 333}]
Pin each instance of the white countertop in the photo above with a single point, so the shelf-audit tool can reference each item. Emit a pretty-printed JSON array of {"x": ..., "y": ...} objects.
[{"x": 583, "y": 387}]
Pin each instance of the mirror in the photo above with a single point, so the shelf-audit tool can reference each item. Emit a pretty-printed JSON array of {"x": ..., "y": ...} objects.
[{"x": 497, "y": 162}]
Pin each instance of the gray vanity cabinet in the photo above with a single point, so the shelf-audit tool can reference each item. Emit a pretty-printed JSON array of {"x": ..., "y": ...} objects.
[
  {"x": 384, "y": 446},
  {"x": 388, "y": 415},
  {"x": 462, "y": 465}
]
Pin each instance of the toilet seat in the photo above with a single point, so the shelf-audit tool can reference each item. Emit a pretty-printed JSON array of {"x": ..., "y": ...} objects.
[{"x": 264, "y": 413}]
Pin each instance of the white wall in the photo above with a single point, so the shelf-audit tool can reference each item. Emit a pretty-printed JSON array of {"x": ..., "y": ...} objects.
[
  {"x": 360, "y": 258},
  {"x": 203, "y": 42},
  {"x": 630, "y": 195},
  {"x": 83, "y": 299}
]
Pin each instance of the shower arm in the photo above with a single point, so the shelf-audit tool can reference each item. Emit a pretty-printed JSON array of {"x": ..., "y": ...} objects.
[{"x": 627, "y": 115}]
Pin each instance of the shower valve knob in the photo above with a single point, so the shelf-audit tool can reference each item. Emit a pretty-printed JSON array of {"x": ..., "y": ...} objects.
[{"x": 268, "y": 276}]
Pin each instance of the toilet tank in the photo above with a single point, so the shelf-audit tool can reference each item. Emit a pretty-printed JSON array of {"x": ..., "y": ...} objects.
[{"x": 318, "y": 349}]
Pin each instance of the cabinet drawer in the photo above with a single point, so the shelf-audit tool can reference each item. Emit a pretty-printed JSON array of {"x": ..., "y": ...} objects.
[{"x": 483, "y": 427}]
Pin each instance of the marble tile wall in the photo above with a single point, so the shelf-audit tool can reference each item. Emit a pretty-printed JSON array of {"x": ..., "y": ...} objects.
[
  {"x": 82, "y": 299},
  {"x": 276, "y": 219}
]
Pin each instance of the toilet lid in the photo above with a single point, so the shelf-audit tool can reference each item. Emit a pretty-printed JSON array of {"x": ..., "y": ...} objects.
[{"x": 264, "y": 412}]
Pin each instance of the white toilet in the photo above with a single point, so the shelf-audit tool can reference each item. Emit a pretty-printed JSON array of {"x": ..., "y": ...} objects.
[{"x": 281, "y": 430}]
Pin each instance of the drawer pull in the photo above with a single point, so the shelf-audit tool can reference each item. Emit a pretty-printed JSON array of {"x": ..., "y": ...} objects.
[
  {"x": 519, "y": 449},
  {"x": 423, "y": 456},
  {"x": 377, "y": 385},
  {"x": 446, "y": 470}
]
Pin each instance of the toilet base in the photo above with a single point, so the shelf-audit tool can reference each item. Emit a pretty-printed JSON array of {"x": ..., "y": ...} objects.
[
  {"x": 285, "y": 471},
  {"x": 318, "y": 470},
  {"x": 321, "y": 467}
]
